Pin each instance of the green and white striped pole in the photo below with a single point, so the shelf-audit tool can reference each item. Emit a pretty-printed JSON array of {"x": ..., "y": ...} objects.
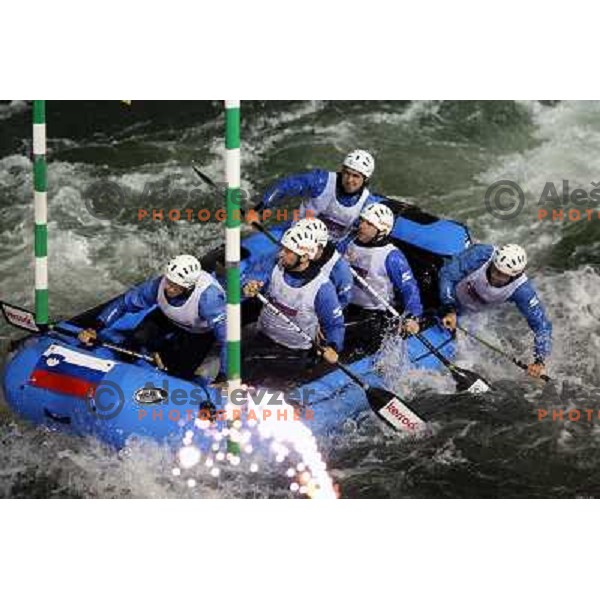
[
  {"x": 40, "y": 212},
  {"x": 232, "y": 242}
]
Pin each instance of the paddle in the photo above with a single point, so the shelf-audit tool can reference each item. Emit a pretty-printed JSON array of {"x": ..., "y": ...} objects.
[
  {"x": 384, "y": 403},
  {"x": 259, "y": 226},
  {"x": 204, "y": 177},
  {"x": 24, "y": 319},
  {"x": 513, "y": 359},
  {"x": 465, "y": 380}
]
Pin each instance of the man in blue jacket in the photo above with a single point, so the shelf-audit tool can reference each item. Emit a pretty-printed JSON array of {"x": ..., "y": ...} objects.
[
  {"x": 190, "y": 314},
  {"x": 299, "y": 290},
  {"x": 332, "y": 264},
  {"x": 385, "y": 268},
  {"x": 337, "y": 198},
  {"x": 484, "y": 276}
]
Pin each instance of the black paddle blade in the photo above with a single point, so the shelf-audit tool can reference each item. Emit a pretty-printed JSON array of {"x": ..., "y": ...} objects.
[
  {"x": 393, "y": 411},
  {"x": 204, "y": 177},
  {"x": 467, "y": 381}
]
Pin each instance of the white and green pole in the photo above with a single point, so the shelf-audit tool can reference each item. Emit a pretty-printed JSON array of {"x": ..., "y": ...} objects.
[
  {"x": 232, "y": 242},
  {"x": 40, "y": 212}
]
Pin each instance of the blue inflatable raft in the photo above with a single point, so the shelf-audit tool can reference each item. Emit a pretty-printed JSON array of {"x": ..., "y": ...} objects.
[{"x": 51, "y": 379}]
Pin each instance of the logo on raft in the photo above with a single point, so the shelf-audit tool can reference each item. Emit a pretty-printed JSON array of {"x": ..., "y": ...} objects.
[{"x": 150, "y": 395}]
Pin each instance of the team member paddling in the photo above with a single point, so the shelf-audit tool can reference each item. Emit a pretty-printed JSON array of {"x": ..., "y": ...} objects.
[
  {"x": 297, "y": 288},
  {"x": 483, "y": 277},
  {"x": 386, "y": 270},
  {"x": 189, "y": 316},
  {"x": 337, "y": 198}
]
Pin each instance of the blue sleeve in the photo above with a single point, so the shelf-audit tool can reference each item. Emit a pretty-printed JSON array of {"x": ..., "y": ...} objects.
[
  {"x": 303, "y": 185},
  {"x": 531, "y": 308},
  {"x": 212, "y": 307},
  {"x": 330, "y": 315},
  {"x": 342, "y": 280},
  {"x": 401, "y": 274},
  {"x": 459, "y": 267},
  {"x": 136, "y": 299}
]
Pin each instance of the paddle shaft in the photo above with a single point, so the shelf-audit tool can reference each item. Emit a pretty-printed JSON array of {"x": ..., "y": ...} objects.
[
  {"x": 513, "y": 359},
  {"x": 41, "y": 329},
  {"x": 307, "y": 337},
  {"x": 383, "y": 402},
  {"x": 107, "y": 345}
]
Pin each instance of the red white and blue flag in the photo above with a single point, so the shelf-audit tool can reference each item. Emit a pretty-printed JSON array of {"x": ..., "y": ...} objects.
[{"x": 67, "y": 371}]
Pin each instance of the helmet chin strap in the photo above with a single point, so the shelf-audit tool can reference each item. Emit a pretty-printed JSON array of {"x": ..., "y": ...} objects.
[{"x": 379, "y": 237}]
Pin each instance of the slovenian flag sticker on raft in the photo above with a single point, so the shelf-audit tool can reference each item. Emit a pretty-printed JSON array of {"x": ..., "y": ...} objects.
[{"x": 66, "y": 371}]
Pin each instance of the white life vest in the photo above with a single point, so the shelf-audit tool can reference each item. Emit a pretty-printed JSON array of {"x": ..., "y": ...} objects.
[
  {"x": 475, "y": 293},
  {"x": 369, "y": 263},
  {"x": 327, "y": 267},
  {"x": 296, "y": 303},
  {"x": 186, "y": 316},
  {"x": 338, "y": 218}
]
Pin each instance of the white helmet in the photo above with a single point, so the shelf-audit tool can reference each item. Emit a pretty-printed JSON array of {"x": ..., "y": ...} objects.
[
  {"x": 361, "y": 161},
  {"x": 380, "y": 216},
  {"x": 318, "y": 227},
  {"x": 510, "y": 259},
  {"x": 301, "y": 241},
  {"x": 183, "y": 270}
]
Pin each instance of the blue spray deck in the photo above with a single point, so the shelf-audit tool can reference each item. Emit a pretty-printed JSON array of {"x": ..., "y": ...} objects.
[{"x": 120, "y": 409}]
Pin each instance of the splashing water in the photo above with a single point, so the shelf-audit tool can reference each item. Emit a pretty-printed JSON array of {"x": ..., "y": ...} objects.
[{"x": 284, "y": 439}]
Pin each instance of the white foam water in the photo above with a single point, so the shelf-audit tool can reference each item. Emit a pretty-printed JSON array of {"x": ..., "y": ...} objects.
[{"x": 93, "y": 259}]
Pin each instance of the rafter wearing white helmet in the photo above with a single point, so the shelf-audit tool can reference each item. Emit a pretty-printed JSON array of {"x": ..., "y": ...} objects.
[
  {"x": 336, "y": 197},
  {"x": 184, "y": 270},
  {"x": 360, "y": 161},
  {"x": 483, "y": 277},
  {"x": 510, "y": 259},
  {"x": 380, "y": 216}
]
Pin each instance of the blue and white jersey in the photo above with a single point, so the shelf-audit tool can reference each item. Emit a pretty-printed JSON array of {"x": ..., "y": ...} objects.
[
  {"x": 189, "y": 315},
  {"x": 203, "y": 309},
  {"x": 386, "y": 269},
  {"x": 325, "y": 307},
  {"x": 464, "y": 287},
  {"x": 321, "y": 195}
]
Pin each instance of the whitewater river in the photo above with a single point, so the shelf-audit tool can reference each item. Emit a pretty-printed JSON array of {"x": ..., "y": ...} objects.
[{"x": 441, "y": 155}]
